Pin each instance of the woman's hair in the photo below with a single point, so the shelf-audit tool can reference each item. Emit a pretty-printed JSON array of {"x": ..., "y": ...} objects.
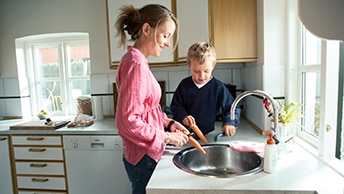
[
  {"x": 201, "y": 51},
  {"x": 131, "y": 19}
]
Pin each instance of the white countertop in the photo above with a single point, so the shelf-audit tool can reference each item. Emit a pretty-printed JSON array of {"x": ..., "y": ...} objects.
[
  {"x": 101, "y": 127},
  {"x": 297, "y": 172}
]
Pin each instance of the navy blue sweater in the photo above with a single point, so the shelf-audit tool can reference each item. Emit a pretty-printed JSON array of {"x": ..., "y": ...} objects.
[{"x": 203, "y": 103}]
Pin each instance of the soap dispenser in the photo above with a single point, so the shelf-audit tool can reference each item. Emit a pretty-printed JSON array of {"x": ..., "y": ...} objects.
[{"x": 270, "y": 154}]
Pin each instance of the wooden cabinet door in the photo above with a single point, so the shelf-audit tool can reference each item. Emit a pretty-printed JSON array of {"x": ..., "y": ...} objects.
[{"x": 234, "y": 29}]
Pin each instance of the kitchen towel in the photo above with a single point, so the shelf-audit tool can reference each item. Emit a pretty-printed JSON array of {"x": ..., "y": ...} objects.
[{"x": 98, "y": 107}]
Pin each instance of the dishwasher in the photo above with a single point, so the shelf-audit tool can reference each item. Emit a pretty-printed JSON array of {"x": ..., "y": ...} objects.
[{"x": 94, "y": 164}]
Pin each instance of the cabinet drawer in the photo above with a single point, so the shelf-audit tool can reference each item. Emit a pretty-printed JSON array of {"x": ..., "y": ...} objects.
[
  {"x": 38, "y": 153},
  {"x": 36, "y": 140},
  {"x": 41, "y": 192},
  {"x": 51, "y": 183},
  {"x": 40, "y": 168}
]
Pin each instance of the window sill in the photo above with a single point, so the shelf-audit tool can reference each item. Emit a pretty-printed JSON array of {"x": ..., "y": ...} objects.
[{"x": 334, "y": 163}]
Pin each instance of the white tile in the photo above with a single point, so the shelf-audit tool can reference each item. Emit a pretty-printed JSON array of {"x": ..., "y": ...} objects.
[
  {"x": 175, "y": 77},
  {"x": 107, "y": 108},
  {"x": 237, "y": 78},
  {"x": 99, "y": 84},
  {"x": 2, "y": 107},
  {"x": 13, "y": 107},
  {"x": 11, "y": 87},
  {"x": 112, "y": 79},
  {"x": 224, "y": 75},
  {"x": 162, "y": 76},
  {"x": 2, "y": 93},
  {"x": 111, "y": 106}
]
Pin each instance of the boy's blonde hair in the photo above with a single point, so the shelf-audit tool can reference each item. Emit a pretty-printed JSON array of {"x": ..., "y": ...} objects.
[{"x": 201, "y": 51}]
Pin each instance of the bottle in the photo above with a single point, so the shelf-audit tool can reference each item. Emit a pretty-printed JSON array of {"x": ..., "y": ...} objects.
[{"x": 270, "y": 154}]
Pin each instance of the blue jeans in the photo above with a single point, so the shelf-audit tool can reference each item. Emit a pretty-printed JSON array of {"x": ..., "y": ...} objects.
[{"x": 140, "y": 173}]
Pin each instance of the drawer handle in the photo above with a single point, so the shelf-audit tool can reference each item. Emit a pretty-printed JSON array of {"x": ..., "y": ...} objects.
[
  {"x": 36, "y": 150},
  {"x": 35, "y": 138},
  {"x": 3, "y": 139},
  {"x": 38, "y": 180},
  {"x": 38, "y": 165}
]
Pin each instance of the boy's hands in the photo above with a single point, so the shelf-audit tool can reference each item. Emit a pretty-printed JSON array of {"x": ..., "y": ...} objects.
[
  {"x": 189, "y": 120},
  {"x": 229, "y": 130}
]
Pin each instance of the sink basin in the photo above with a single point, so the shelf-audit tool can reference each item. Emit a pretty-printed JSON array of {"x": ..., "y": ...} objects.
[{"x": 220, "y": 161}]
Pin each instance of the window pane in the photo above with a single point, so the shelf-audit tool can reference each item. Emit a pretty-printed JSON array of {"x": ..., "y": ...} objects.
[
  {"x": 79, "y": 58},
  {"x": 311, "y": 48},
  {"x": 47, "y": 62},
  {"x": 78, "y": 88},
  {"x": 51, "y": 96},
  {"x": 311, "y": 101}
]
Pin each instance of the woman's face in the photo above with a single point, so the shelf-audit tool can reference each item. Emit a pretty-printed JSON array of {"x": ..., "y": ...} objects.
[
  {"x": 161, "y": 37},
  {"x": 201, "y": 73}
]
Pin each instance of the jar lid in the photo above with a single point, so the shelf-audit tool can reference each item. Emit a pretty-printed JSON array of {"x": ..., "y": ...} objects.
[{"x": 83, "y": 98}]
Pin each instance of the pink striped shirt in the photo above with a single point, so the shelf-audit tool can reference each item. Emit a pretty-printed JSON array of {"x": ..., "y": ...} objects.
[{"x": 139, "y": 118}]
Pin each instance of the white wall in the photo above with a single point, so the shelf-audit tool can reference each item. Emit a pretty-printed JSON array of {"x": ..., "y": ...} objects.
[{"x": 20, "y": 18}]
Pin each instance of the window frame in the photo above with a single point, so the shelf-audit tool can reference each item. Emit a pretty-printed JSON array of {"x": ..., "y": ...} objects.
[
  {"x": 325, "y": 145},
  {"x": 62, "y": 40}
]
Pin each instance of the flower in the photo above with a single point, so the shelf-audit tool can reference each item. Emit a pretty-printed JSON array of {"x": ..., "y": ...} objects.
[
  {"x": 289, "y": 112},
  {"x": 42, "y": 113}
]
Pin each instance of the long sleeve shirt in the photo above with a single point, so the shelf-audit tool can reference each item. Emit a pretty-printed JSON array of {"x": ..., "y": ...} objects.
[
  {"x": 139, "y": 118},
  {"x": 203, "y": 103}
]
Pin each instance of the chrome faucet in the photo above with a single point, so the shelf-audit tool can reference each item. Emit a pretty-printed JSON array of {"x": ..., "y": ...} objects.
[{"x": 259, "y": 93}]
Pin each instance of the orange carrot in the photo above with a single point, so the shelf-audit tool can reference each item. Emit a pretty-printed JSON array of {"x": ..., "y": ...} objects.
[
  {"x": 197, "y": 145},
  {"x": 199, "y": 133}
]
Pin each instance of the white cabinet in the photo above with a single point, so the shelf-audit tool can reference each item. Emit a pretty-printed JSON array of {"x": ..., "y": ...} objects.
[
  {"x": 193, "y": 24},
  {"x": 5, "y": 167},
  {"x": 39, "y": 164},
  {"x": 116, "y": 52}
]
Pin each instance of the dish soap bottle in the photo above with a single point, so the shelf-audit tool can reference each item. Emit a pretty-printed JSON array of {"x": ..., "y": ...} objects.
[{"x": 270, "y": 154}]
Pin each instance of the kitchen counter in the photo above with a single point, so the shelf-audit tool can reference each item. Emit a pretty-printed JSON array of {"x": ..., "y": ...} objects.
[
  {"x": 102, "y": 127},
  {"x": 298, "y": 172}
]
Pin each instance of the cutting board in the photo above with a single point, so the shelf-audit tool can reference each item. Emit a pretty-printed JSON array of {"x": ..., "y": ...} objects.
[{"x": 39, "y": 125}]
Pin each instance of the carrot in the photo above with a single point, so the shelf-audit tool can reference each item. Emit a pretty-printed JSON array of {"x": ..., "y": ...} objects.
[
  {"x": 197, "y": 145},
  {"x": 199, "y": 133}
]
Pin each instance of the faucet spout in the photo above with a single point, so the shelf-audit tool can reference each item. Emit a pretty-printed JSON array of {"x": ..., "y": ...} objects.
[{"x": 258, "y": 93}]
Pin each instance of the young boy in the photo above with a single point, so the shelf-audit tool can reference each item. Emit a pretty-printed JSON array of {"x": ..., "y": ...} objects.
[{"x": 199, "y": 97}]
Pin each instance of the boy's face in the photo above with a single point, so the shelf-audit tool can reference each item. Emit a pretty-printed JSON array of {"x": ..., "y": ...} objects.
[{"x": 201, "y": 73}]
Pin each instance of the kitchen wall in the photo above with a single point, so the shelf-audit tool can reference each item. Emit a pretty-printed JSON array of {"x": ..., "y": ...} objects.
[{"x": 31, "y": 17}]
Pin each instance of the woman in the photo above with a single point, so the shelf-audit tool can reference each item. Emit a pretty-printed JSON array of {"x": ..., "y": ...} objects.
[{"x": 139, "y": 118}]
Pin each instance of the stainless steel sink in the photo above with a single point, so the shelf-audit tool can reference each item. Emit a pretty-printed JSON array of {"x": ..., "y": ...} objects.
[{"x": 220, "y": 161}]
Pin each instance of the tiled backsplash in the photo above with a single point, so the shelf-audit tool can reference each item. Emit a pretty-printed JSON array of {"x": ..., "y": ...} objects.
[
  {"x": 10, "y": 98},
  {"x": 101, "y": 84},
  {"x": 11, "y": 101}
]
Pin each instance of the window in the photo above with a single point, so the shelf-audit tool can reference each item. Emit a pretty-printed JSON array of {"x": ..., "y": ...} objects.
[
  {"x": 310, "y": 81},
  {"x": 61, "y": 73},
  {"x": 318, "y": 75}
]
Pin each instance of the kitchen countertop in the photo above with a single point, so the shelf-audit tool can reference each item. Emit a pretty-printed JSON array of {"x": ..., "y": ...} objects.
[
  {"x": 101, "y": 127},
  {"x": 298, "y": 172}
]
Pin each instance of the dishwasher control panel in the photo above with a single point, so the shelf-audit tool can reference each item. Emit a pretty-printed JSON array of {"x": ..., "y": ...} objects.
[{"x": 92, "y": 142}]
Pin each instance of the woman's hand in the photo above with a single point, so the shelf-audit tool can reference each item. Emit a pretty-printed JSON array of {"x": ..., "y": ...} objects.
[
  {"x": 177, "y": 136},
  {"x": 229, "y": 130}
]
